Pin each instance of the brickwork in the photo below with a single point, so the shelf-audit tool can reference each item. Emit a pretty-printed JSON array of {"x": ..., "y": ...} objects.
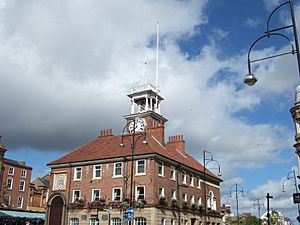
[{"x": 14, "y": 192}]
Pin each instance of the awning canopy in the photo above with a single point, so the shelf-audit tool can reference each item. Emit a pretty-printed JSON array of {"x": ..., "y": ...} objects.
[{"x": 29, "y": 215}]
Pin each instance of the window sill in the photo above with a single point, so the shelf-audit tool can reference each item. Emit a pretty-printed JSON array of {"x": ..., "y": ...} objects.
[
  {"x": 140, "y": 174},
  {"x": 118, "y": 176}
]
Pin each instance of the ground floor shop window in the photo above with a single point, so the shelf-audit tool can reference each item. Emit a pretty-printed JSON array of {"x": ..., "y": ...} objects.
[
  {"x": 116, "y": 221},
  {"x": 74, "y": 221},
  {"x": 94, "y": 221},
  {"x": 140, "y": 221}
]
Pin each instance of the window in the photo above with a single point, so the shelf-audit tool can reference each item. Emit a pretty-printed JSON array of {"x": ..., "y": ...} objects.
[
  {"x": 116, "y": 221},
  {"x": 192, "y": 199},
  {"x": 7, "y": 199},
  {"x": 23, "y": 173},
  {"x": 161, "y": 191},
  {"x": 211, "y": 201},
  {"x": 173, "y": 194},
  {"x": 11, "y": 171},
  {"x": 172, "y": 222},
  {"x": 76, "y": 195},
  {"x": 22, "y": 185},
  {"x": 116, "y": 194},
  {"x": 184, "y": 197},
  {"x": 74, "y": 221},
  {"x": 140, "y": 192},
  {"x": 199, "y": 201},
  {"x": 94, "y": 221},
  {"x": 77, "y": 173},
  {"x": 173, "y": 173},
  {"x": 9, "y": 183},
  {"x": 20, "y": 202},
  {"x": 183, "y": 177},
  {"x": 198, "y": 183},
  {"x": 95, "y": 194},
  {"x": 163, "y": 221},
  {"x": 97, "y": 172},
  {"x": 160, "y": 168},
  {"x": 140, "y": 167},
  {"x": 191, "y": 180},
  {"x": 118, "y": 170},
  {"x": 140, "y": 221}
]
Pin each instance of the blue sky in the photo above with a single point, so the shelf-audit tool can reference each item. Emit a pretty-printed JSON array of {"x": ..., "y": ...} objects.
[{"x": 66, "y": 68}]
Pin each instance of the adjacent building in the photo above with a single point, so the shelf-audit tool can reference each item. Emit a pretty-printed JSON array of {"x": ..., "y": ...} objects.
[
  {"x": 38, "y": 194},
  {"x": 15, "y": 180},
  {"x": 97, "y": 182}
]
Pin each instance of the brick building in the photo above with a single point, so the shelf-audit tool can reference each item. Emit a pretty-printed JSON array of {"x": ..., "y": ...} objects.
[
  {"x": 15, "y": 180},
  {"x": 38, "y": 194},
  {"x": 97, "y": 182}
]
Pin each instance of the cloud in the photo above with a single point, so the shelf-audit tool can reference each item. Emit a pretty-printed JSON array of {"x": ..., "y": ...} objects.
[{"x": 253, "y": 22}]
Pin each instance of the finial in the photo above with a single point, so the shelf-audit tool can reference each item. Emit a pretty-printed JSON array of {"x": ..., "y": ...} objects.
[
  {"x": 157, "y": 48},
  {"x": 145, "y": 74}
]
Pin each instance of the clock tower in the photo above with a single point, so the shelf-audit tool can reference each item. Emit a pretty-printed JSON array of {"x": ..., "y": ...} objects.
[{"x": 145, "y": 108}]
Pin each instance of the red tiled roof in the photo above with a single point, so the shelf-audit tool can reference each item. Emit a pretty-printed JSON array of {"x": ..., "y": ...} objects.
[{"x": 106, "y": 147}]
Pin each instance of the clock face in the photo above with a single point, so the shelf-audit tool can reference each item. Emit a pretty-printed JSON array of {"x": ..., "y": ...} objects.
[{"x": 138, "y": 125}]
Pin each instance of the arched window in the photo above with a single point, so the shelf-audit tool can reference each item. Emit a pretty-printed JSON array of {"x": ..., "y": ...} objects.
[
  {"x": 74, "y": 221},
  {"x": 211, "y": 201},
  {"x": 116, "y": 221},
  {"x": 140, "y": 221}
]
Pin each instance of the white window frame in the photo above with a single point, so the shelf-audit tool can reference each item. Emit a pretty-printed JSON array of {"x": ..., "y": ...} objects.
[
  {"x": 173, "y": 194},
  {"x": 183, "y": 177},
  {"x": 137, "y": 165},
  {"x": 163, "y": 221},
  {"x": 191, "y": 180},
  {"x": 113, "y": 193},
  {"x": 23, "y": 173},
  {"x": 94, "y": 221},
  {"x": 11, "y": 183},
  {"x": 22, "y": 199},
  {"x": 161, "y": 191},
  {"x": 23, "y": 189},
  {"x": 93, "y": 194},
  {"x": 74, "y": 195},
  {"x": 172, "y": 222},
  {"x": 95, "y": 170},
  {"x": 199, "y": 201},
  {"x": 75, "y": 173},
  {"x": 184, "y": 197},
  {"x": 116, "y": 221},
  {"x": 162, "y": 167},
  {"x": 192, "y": 199},
  {"x": 118, "y": 175},
  {"x": 136, "y": 191},
  {"x": 74, "y": 221},
  {"x": 198, "y": 183},
  {"x": 11, "y": 169},
  {"x": 140, "y": 221},
  {"x": 173, "y": 173}
]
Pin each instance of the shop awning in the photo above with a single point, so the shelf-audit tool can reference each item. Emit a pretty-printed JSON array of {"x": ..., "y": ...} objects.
[{"x": 20, "y": 214}]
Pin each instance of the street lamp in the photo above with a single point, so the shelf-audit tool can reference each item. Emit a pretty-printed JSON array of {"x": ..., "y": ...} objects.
[
  {"x": 206, "y": 161},
  {"x": 291, "y": 177},
  {"x": 250, "y": 78},
  {"x": 132, "y": 146},
  {"x": 237, "y": 189},
  {"x": 259, "y": 205}
]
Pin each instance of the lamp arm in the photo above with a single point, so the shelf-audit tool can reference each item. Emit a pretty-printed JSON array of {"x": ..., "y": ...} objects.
[{"x": 268, "y": 31}]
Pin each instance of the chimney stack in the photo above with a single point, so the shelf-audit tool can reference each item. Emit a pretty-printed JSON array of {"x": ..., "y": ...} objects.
[{"x": 178, "y": 142}]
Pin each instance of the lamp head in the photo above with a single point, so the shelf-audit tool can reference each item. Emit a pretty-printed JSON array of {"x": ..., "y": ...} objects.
[
  {"x": 219, "y": 174},
  {"x": 121, "y": 144},
  {"x": 250, "y": 79},
  {"x": 145, "y": 142}
]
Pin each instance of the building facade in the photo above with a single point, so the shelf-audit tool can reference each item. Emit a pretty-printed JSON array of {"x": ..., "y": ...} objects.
[
  {"x": 99, "y": 181},
  {"x": 15, "y": 184},
  {"x": 38, "y": 194}
]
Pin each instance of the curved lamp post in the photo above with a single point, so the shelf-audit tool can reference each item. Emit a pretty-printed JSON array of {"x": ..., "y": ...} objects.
[
  {"x": 132, "y": 146},
  {"x": 291, "y": 177},
  {"x": 250, "y": 78},
  {"x": 206, "y": 161},
  {"x": 236, "y": 189}
]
